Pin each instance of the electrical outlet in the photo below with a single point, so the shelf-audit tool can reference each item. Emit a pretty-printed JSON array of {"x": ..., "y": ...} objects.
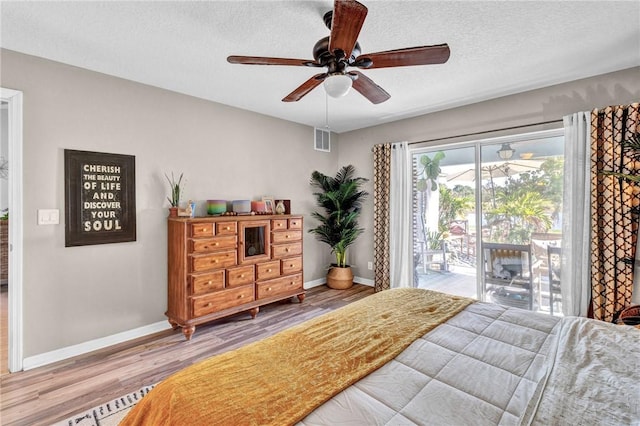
[
  {"x": 48, "y": 217},
  {"x": 370, "y": 266}
]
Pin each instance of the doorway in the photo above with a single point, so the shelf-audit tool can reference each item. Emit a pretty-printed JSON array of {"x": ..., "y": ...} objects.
[
  {"x": 12, "y": 99},
  {"x": 4, "y": 237}
]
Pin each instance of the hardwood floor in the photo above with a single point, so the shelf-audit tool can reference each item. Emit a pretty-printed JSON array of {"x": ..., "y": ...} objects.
[
  {"x": 54, "y": 392},
  {"x": 4, "y": 330}
]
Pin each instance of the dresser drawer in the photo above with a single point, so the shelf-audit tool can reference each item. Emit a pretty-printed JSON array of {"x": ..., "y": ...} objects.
[
  {"x": 291, "y": 265},
  {"x": 226, "y": 228},
  {"x": 213, "y": 261},
  {"x": 279, "y": 286},
  {"x": 240, "y": 276},
  {"x": 267, "y": 270},
  {"x": 202, "y": 230},
  {"x": 278, "y": 224},
  {"x": 214, "y": 244},
  {"x": 220, "y": 300},
  {"x": 295, "y": 223},
  {"x": 285, "y": 236},
  {"x": 286, "y": 250},
  {"x": 205, "y": 283}
]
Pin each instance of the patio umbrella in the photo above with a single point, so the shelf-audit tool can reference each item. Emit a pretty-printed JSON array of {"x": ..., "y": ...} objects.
[{"x": 496, "y": 169}]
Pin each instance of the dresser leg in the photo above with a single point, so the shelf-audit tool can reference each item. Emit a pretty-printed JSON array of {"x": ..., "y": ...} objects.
[
  {"x": 301, "y": 297},
  {"x": 188, "y": 331},
  {"x": 253, "y": 312},
  {"x": 174, "y": 324}
]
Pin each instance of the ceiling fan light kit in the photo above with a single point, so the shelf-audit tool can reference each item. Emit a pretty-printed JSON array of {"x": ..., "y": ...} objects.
[
  {"x": 341, "y": 50},
  {"x": 337, "y": 85}
]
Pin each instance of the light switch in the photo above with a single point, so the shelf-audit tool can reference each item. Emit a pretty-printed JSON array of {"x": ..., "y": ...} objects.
[{"x": 48, "y": 217}]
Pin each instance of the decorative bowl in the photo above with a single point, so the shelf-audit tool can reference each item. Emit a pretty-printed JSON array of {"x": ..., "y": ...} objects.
[
  {"x": 258, "y": 206},
  {"x": 215, "y": 207},
  {"x": 630, "y": 315},
  {"x": 241, "y": 206}
]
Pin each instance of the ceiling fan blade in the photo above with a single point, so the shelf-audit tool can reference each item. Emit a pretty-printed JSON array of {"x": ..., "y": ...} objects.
[
  {"x": 368, "y": 88},
  {"x": 423, "y": 55},
  {"x": 259, "y": 60},
  {"x": 346, "y": 23},
  {"x": 304, "y": 88}
]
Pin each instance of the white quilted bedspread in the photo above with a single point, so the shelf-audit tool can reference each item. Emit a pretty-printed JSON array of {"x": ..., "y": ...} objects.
[
  {"x": 488, "y": 365},
  {"x": 594, "y": 378}
]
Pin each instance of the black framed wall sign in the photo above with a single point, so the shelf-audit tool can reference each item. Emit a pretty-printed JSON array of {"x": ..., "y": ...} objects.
[{"x": 100, "y": 198}]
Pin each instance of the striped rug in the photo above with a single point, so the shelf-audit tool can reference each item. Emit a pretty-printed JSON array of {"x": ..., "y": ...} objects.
[{"x": 108, "y": 414}]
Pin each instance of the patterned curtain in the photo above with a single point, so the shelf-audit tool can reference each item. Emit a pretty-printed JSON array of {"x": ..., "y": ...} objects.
[
  {"x": 381, "y": 221},
  {"x": 614, "y": 209}
]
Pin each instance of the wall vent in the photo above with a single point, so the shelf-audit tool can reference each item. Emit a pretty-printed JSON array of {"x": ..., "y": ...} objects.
[{"x": 322, "y": 140}]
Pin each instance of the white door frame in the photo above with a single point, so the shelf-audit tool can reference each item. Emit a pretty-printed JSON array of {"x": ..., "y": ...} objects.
[{"x": 14, "y": 100}]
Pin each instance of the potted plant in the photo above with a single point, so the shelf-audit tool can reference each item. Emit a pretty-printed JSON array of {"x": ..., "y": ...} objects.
[
  {"x": 341, "y": 199},
  {"x": 174, "y": 199}
]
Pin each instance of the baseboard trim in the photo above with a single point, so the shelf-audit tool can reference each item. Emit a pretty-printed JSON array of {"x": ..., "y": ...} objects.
[
  {"x": 92, "y": 345},
  {"x": 323, "y": 281},
  {"x": 363, "y": 281},
  {"x": 103, "y": 342},
  {"x": 314, "y": 283}
]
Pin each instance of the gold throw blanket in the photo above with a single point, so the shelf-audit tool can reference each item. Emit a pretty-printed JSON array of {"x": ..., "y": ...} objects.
[{"x": 281, "y": 379}]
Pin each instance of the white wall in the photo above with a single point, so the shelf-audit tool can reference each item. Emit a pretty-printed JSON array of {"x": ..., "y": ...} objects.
[
  {"x": 541, "y": 105},
  {"x": 73, "y": 295}
]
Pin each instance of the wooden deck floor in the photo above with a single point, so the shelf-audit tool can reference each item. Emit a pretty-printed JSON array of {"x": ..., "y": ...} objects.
[{"x": 461, "y": 281}]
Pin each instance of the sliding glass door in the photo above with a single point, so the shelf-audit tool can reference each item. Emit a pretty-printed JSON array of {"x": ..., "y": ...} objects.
[
  {"x": 485, "y": 214},
  {"x": 444, "y": 218}
]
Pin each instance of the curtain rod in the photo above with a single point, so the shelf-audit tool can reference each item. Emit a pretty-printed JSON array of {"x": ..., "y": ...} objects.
[{"x": 487, "y": 131}]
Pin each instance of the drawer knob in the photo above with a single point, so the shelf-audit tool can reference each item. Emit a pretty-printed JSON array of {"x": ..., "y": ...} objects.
[
  {"x": 268, "y": 288},
  {"x": 269, "y": 270},
  {"x": 241, "y": 275},
  {"x": 287, "y": 236},
  {"x": 216, "y": 244},
  {"x": 291, "y": 266},
  {"x": 287, "y": 250},
  {"x": 208, "y": 305},
  {"x": 226, "y": 228},
  {"x": 240, "y": 296},
  {"x": 210, "y": 282}
]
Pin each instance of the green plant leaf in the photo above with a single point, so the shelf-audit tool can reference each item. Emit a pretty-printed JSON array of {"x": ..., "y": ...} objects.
[{"x": 340, "y": 199}]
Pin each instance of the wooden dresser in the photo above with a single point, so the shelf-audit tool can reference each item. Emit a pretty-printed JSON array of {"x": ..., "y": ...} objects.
[{"x": 219, "y": 266}]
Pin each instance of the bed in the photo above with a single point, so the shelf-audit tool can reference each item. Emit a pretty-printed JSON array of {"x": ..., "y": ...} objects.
[{"x": 412, "y": 357}]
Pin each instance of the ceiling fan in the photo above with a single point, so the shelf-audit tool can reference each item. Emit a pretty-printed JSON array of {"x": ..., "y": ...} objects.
[{"x": 341, "y": 50}]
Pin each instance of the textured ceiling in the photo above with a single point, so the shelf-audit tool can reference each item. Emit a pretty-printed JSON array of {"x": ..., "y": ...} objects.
[{"x": 497, "y": 48}]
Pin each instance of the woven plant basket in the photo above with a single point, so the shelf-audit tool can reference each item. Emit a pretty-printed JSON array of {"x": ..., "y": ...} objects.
[{"x": 340, "y": 278}]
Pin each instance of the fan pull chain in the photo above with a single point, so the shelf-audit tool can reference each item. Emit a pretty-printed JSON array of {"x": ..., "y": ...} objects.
[{"x": 326, "y": 111}]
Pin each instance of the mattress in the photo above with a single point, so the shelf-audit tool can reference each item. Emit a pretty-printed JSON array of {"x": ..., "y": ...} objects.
[
  {"x": 480, "y": 367},
  {"x": 453, "y": 362},
  {"x": 491, "y": 365}
]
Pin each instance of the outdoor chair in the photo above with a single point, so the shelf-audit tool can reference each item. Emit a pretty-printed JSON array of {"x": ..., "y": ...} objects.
[
  {"x": 436, "y": 257},
  {"x": 554, "y": 260},
  {"x": 508, "y": 276},
  {"x": 540, "y": 244},
  {"x": 460, "y": 242}
]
